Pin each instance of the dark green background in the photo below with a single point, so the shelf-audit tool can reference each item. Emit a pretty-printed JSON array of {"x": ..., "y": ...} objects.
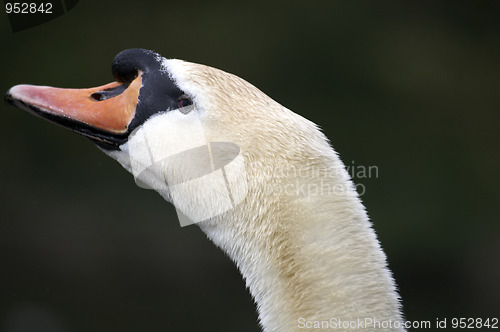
[{"x": 411, "y": 87}]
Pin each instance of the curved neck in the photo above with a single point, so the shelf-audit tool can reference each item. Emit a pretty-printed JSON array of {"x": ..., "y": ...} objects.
[{"x": 308, "y": 257}]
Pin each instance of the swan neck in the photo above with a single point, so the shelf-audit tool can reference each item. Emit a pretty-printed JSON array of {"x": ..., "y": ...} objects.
[{"x": 309, "y": 260}]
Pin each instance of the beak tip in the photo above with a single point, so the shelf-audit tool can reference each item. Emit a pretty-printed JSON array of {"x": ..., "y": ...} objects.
[
  {"x": 10, "y": 95},
  {"x": 17, "y": 92}
]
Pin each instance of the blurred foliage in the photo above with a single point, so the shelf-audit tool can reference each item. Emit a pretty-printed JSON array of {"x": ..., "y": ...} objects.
[{"x": 410, "y": 87}]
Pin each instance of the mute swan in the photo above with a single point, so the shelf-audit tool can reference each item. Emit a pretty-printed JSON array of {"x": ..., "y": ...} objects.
[{"x": 272, "y": 193}]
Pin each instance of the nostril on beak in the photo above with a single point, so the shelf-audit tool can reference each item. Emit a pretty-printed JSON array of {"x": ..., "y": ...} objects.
[
  {"x": 109, "y": 93},
  {"x": 98, "y": 96}
]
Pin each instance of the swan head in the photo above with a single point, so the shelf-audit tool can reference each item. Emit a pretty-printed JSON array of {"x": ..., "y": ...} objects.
[{"x": 187, "y": 130}]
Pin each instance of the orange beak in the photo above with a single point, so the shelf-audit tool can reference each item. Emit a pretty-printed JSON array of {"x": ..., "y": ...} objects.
[{"x": 106, "y": 109}]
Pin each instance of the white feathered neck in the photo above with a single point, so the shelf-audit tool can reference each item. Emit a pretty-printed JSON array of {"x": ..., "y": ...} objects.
[{"x": 300, "y": 237}]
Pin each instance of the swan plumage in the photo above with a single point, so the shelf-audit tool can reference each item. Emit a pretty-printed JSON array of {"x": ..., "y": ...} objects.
[{"x": 296, "y": 229}]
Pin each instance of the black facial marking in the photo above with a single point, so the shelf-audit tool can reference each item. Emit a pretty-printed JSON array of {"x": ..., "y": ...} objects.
[{"x": 158, "y": 92}]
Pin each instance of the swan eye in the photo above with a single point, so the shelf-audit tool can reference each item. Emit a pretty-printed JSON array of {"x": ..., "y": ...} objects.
[
  {"x": 184, "y": 101},
  {"x": 185, "y": 104}
]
